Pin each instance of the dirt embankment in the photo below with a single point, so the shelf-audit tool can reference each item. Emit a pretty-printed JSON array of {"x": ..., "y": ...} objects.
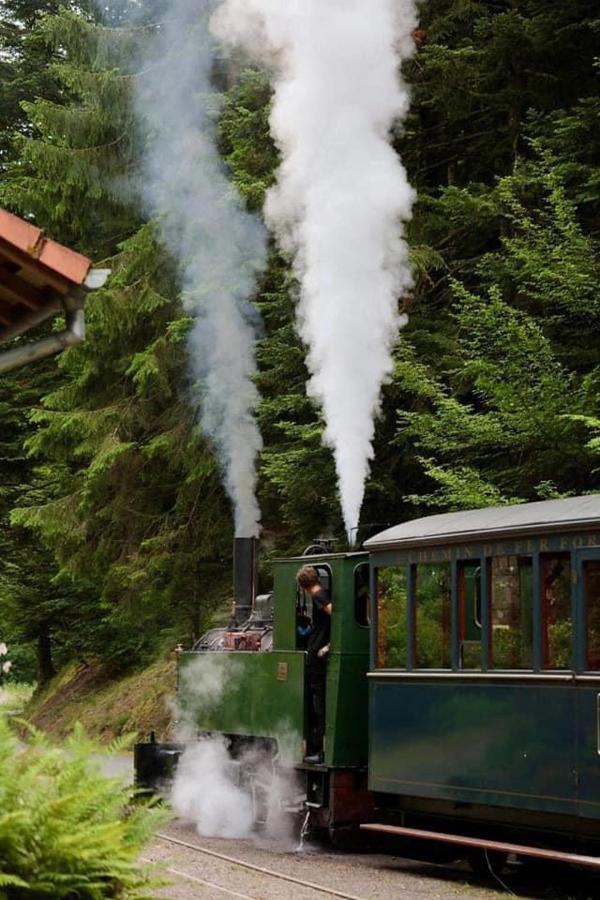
[{"x": 140, "y": 703}]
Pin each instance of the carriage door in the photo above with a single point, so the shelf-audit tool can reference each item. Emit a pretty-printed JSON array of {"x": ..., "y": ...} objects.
[{"x": 588, "y": 689}]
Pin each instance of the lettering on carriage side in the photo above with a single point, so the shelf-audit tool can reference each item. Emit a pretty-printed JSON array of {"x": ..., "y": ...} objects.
[
  {"x": 544, "y": 544},
  {"x": 524, "y": 547},
  {"x": 565, "y": 543}
]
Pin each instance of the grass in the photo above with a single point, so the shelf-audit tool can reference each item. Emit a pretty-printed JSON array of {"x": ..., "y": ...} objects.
[
  {"x": 14, "y": 697},
  {"x": 137, "y": 703}
]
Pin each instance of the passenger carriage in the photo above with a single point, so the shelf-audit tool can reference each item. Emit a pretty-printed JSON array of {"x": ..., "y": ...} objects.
[{"x": 484, "y": 686}]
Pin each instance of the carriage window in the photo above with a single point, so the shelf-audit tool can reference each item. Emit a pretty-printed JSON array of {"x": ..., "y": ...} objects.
[
  {"x": 392, "y": 630},
  {"x": 362, "y": 600},
  {"x": 555, "y": 577},
  {"x": 591, "y": 582},
  {"x": 469, "y": 605},
  {"x": 433, "y": 616},
  {"x": 512, "y": 612}
]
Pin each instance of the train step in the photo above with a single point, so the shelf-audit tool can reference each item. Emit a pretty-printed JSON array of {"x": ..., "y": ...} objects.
[{"x": 483, "y": 844}]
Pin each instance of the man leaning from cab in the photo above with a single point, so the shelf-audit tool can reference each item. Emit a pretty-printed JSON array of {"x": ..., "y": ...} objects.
[{"x": 316, "y": 660}]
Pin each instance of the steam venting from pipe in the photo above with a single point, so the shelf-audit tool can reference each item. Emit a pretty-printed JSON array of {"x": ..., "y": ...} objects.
[
  {"x": 341, "y": 196},
  {"x": 219, "y": 247}
]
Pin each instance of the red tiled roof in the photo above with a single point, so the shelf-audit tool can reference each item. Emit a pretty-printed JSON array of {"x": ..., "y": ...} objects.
[
  {"x": 30, "y": 240},
  {"x": 35, "y": 273}
]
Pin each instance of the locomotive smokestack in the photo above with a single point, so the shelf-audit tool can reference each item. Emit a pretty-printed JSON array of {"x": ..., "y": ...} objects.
[{"x": 245, "y": 552}]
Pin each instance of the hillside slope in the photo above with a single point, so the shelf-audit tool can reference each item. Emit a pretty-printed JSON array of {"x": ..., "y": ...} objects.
[{"x": 141, "y": 702}]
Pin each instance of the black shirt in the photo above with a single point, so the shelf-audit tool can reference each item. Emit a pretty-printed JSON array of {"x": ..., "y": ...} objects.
[{"x": 321, "y": 629}]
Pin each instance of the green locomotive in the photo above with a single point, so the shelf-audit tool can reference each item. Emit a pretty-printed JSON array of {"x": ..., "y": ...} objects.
[
  {"x": 463, "y": 686},
  {"x": 263, "y": 702}
]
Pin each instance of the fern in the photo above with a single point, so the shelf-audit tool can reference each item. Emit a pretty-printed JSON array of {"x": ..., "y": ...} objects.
[{"x": 65, "y": 830}]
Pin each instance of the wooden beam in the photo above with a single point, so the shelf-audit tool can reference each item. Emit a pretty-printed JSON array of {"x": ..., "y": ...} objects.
[
  {"x": 31, "y": 264},
  {"x": 18, "y": 290}
]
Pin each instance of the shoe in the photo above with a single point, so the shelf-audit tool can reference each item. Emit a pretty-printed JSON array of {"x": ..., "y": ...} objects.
[{"x": 314, "y": 760}]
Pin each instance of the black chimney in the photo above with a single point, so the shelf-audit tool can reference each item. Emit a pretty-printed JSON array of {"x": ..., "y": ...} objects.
[{"x": 245, "y": 552}]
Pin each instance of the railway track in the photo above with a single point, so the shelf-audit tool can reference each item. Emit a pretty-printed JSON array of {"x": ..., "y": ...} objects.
[{"x": 281, "y": 876}]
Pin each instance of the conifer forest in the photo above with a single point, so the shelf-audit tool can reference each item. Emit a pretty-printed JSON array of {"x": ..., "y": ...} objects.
[{"x": 116, "y": 520}]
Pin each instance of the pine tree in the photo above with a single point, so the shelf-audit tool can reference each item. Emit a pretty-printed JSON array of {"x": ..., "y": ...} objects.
[
  {"x": 24, "y": 68},
  {"x": 138, "y": 520},
  {"x": 500, "y": 145},
  {"x": 26, "y": 568}
]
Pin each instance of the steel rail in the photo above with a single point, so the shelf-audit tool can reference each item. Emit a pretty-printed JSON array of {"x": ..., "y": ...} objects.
[
  {"x": 196, "y": 880},
  {"x": 261, "y": 869}
]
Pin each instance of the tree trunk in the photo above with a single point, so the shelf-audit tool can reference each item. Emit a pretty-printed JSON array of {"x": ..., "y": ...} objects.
[{"x": 46, "y": 669}]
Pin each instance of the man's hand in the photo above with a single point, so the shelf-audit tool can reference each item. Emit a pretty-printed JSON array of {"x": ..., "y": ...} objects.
[{"x": 323, "y": 651}]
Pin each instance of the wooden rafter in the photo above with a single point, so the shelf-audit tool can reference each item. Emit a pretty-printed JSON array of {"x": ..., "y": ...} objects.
[
  {"x": 18, "y": 290},
  {"x": 32, "y": 265}
]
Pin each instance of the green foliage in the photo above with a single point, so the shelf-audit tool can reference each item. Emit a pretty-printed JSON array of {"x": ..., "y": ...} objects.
[
  {"x": 118, "y": 515},
  {"x": 71, "y": 173},
  {"x": 498, "y": 368},
  {"x": 65, "y": 830},
  {"x": 25, "y": 68},
  {"x": 504, "y": 420},
  {"x": 244, "y": 137}
]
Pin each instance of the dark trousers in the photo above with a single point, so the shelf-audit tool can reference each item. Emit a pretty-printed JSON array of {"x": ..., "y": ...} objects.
[{"x": 316, "y": 710}]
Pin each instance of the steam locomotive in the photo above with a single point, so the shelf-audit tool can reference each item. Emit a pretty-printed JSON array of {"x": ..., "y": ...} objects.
[{"x": 463, "y": 683}]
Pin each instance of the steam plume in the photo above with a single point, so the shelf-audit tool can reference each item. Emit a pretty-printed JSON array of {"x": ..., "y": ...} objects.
[
  {"x": 222, "y": 796},
  {"x": 219, "y": 246},
  {"x": 341, "y": 196}
]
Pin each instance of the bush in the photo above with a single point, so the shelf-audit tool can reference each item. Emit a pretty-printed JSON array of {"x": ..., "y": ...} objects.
[{"x": 65, "y": 830}]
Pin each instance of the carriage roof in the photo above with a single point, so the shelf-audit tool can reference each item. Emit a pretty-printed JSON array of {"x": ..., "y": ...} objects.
[{"x": 548, "y": 516}]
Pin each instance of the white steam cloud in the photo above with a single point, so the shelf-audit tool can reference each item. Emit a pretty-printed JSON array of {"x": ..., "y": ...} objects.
[
  {"x": 222, "y": 796},
  {"x": 206, "y": 793},
  {"x": 253, "y": 796},
  {"x": 218, "y": 245},
  {"x": 341, "y": 197}
]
